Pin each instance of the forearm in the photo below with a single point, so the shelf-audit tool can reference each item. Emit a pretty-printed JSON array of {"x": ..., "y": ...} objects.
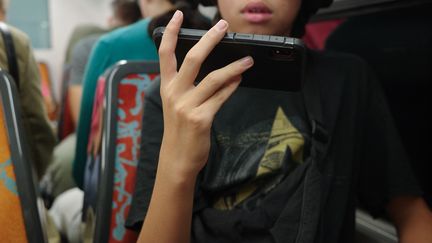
[
  {"x": 188, "y": 113},
  {"x": 75, "y": 93},
  {"x": 169, "y": 215},
  {"x": 412, "y": 218}
]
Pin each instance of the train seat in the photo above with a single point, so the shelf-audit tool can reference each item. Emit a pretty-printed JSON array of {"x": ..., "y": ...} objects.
[
  {"x": 123, "y": 100},
  {"x": 20, "y": 217}
]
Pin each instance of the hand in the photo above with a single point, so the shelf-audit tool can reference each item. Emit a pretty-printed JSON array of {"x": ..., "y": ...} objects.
[{"x": 189, "y": 110}]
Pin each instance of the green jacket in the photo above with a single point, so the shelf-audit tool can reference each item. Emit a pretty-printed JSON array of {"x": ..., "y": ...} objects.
[{"x": 39, "y": 133}]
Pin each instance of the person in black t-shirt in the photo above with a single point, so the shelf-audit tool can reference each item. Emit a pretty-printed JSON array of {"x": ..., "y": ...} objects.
[{"x": 245, "y": 165}]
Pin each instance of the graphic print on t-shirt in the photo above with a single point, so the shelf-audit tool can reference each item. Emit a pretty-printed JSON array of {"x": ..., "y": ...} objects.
[
  {"x": 283, "y": 136},
  {"x": 284, "y": 149}
]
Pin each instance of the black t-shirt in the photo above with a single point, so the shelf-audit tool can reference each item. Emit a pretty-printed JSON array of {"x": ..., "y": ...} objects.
[{"x": 260, "y": 141}]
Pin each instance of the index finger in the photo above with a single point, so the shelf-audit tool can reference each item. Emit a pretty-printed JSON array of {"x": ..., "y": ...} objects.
[
  {"x": 167, "y": 58},
  {"x": 198, "y": 53}
]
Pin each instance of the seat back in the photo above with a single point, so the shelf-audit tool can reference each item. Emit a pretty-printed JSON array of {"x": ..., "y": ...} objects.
[
  {"x": 124, "y": 99},
  {"x": 65, "y": 124},
  {"x": 93, "y": 165},
  {"x": 19, "y": 206},
  {"x": 316, "y": 33}
]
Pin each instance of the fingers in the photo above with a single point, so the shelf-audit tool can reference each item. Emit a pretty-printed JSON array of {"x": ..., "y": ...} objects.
[
  {"x": 214, "y": 103},
  {"x": 167, "y": 58},
  {"x": 197, "y": 54},
  {"x": 217, "y": 79}
]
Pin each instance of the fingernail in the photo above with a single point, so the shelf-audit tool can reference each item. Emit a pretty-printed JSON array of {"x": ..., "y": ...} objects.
[
  {"x": 176, "y": 15},
  {"x": 247, "y": 61},
  {"x": 222, "y": 25}
]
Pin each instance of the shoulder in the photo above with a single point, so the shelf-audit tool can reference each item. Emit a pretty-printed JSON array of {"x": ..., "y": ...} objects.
[
  {"x": 336, "y": 61},
  {"x": 23, "y": 49},
  {"x": 128, "y": 33},
  {"x": 90, "y": 40},
  {"x": 20, "y": 38},
  {"x": 338, "y": 69},
  {"x": 85, "y": 45},
  {"x": 343, "y": 79}
]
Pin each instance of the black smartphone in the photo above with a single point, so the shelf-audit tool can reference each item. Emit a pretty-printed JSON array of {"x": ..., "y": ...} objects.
[{"x": 279, "y": 61}]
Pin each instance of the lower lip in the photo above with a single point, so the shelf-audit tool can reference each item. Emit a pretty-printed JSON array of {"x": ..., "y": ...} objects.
[{"x": 257, "y": 18}]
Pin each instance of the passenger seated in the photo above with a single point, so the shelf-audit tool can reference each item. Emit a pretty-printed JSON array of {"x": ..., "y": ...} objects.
[
  {"x": 129, "y": 43},
  {"x": 132, "y": 43},
  {"x": 39, "y": 134},
  {"x": 59, "y": 175},
  {"x": 197, "y": 140},
  {"x": 58, "y": 182}
]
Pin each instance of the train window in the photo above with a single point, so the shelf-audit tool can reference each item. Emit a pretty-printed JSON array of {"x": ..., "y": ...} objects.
[{"x": 32, "y": 18}]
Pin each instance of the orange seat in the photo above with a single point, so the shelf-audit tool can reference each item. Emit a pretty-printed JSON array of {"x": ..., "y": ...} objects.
[
  {"x": 47, "y": 92},
  {"x": 19, "y": 215}
]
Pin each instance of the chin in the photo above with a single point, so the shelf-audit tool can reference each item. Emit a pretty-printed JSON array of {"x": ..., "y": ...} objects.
[{"x": 260, "y": 30}]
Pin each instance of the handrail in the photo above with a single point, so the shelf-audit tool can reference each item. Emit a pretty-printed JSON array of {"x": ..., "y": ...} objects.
[{"x": 377, "y": 230}]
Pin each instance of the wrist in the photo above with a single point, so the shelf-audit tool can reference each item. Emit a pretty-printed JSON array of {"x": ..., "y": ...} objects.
[
  {"x": 176, "y": 169},
  {"x": 175, "y": 180},
  {"x": 181, "y": 161}
]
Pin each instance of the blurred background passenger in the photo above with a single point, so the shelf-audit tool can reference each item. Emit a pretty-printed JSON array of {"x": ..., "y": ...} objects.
[
  {"x": 129, "y": 43},
  {"x": 80, "y": 32},
  {"x": 59, "y": 175},
  {"x": 39, "y": 133},
  {"x": 58, "y": 183}
]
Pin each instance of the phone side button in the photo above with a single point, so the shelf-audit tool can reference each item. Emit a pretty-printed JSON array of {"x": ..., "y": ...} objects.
[
  {"x": 277, "y": 39},
  {"x": 263, "y": 38},
  {"x": 244, "y": 37},
  {"x": 289, "y": 41},
  {"x": 229, "y": 36}
]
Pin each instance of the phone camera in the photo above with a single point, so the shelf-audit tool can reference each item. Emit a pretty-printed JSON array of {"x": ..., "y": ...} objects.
[{"x": 281, "y": 54}]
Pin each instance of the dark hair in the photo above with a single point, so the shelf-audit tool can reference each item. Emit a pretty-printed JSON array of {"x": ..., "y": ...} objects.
[
  {"x": 192, "y": 17},
  {"x": 307, "y": 9},
  {"x": 127, "y": 11}
]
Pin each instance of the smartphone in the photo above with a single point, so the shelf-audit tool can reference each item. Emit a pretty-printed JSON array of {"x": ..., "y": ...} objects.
[{"x": 279, "y": 61}]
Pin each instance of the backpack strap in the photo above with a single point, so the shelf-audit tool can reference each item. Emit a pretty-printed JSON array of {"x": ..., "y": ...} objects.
[
  {"x": 10, "y": 52},
  {"x": 312, "y": 100},
  {"x": 311, "y": 226}
]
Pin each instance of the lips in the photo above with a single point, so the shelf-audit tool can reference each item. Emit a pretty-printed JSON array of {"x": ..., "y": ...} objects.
[{"x": 257, "y": 13}]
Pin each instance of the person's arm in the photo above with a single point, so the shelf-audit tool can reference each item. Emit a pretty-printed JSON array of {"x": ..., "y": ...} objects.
[
  {"x": 413, "y": 219},
  {"x": 188, "y": 115},
  {"x": 78, "y": 62},
  {"x": 74, "y": 95},
  {"x": 39, "y": 132},
  {"x": 387, "y": 183}
]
